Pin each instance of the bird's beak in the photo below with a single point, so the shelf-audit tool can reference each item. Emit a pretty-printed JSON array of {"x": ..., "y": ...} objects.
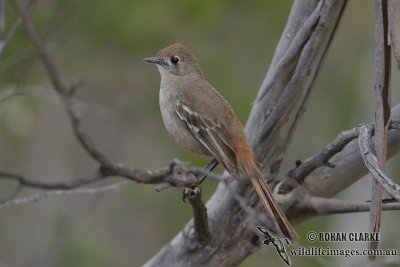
[{"x": 157, "y": 60}]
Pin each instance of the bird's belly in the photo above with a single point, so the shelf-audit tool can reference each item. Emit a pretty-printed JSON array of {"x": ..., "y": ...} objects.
[{"x": 179, "y": 131}]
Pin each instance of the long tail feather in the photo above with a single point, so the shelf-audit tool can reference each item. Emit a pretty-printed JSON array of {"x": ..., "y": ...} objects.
[{"x": 260, "y": 185}]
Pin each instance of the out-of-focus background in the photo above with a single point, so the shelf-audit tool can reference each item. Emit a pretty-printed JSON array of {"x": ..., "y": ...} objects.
[{"x": 102, "y": 43}]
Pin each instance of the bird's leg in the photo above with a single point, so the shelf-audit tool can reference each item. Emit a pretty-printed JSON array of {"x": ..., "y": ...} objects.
[
  {"x": 210, "y": 167},
  {"x": 200, "y": 177}
]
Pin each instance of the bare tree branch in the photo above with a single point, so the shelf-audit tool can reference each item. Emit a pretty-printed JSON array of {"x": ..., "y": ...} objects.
[
  {"x": 382, "y": 109},
  {"x": 28, "y": 182},
  {"x": 394, "y": 28},
  {"x": 394, "y": 125},
  {"x": 326, "y": 206},
  {"x": 8, "y": 94},
  {"x": 10, "y": 35},
  {"x": 297, "y": 175},
  {"x": 148, "y": 177},
  {"x": 6, "y": 38},
  {"x": 348, "y": 165},
  {"x": 177, "y": 174},
  {"x": 3, "y": 17},
  {"x": 201, "y": 174},
  {"x": 193, "y": 193},
  {"x": 200, "y": 218},
  {"x": 79, "y": 191},
  {"x": 373, "y": 165},
  {"x": 277, "y": 90},
  {"x": 290, "y": 57}
]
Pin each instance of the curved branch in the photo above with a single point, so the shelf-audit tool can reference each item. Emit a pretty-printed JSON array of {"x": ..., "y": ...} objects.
[
  {"x": 373, "y": 165},
  {"x": 297, "y": 175},
  {"x": 348, "y": 165}
]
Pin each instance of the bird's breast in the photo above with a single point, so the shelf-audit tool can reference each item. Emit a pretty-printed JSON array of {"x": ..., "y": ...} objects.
[{"x": 176, "y": 127}]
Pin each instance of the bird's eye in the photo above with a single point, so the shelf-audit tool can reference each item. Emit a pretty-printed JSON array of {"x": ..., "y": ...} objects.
[{"x": 174, "y": 59}]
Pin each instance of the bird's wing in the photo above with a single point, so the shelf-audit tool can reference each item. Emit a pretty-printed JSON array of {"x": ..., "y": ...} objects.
[{"x": 210, "y": 134}]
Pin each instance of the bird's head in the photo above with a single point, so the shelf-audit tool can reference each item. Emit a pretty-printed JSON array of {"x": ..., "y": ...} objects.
[{"x": 176, "y": 60}]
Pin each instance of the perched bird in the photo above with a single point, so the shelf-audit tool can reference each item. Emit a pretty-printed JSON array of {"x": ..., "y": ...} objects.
[{"x": 201, "y": 120}]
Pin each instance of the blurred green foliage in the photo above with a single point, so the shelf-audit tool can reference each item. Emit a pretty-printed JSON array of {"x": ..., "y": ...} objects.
[{"x": 102, "y": 43}]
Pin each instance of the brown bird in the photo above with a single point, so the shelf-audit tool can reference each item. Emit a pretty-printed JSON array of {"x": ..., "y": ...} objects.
[{"x": 201, "y": 120}]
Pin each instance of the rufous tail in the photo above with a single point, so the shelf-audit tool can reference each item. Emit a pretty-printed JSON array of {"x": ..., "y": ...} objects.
[{"x": 251, "y": 169}]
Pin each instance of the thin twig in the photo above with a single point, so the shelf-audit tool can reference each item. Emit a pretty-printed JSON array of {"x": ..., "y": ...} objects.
[
  {"x": 9, "y": 94},
  {"x": 166, "y": 174},
  {"x": 326, "y": 206},
  {"x": 11, "y": 195},
  {"x": 2, "y": 20},
  {"x": 79, "y": 191},
  {"x": 33, "y": 183},
  {"x": 4, "y": 42},
  {"x": 10, "y": 35}
]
